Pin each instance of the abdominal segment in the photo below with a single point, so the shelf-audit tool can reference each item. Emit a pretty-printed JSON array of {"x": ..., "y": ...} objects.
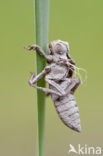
[{"x": 68, "y": 112}]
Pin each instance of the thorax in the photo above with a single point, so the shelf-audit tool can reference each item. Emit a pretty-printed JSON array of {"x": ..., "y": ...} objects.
[{"x": 57, "y": 72}]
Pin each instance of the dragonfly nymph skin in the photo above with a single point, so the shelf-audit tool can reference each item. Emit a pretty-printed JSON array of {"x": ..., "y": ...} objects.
[{"x": 62, "y": 84}]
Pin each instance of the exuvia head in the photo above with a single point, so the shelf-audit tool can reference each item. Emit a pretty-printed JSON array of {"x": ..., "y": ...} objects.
[{"x": 58, "y": 47}]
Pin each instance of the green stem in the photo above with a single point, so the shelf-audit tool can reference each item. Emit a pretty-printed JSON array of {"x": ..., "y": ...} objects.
[{"x": 41, "y": 24}]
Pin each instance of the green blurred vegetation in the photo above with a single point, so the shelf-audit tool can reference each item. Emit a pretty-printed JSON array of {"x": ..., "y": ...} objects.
[{"x": 80, "y": 23}]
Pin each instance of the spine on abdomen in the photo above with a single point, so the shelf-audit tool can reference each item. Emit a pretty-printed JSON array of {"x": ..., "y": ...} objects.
[{"x": 68, "y": 112}]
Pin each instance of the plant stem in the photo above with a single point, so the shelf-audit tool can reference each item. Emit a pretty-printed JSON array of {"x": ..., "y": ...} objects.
[{"x": 41, "y": 24}]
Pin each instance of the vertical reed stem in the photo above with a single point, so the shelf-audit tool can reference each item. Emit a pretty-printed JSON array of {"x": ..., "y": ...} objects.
[{"x": 41, "y": 24}]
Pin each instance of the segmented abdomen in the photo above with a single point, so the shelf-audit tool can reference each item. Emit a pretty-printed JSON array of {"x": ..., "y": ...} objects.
[{"x": 68, "y": 112}]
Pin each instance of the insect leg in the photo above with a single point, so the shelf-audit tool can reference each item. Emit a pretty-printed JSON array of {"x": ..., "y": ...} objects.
[
  {"x": 40, "y": 51},
  {"x": 76, "y": 84},
  {"x": 46, "y": 90},
  {"x": 72, "y": 86},
  {"x": 34, "y": 79},
  {"x": 56, "y": 86}
]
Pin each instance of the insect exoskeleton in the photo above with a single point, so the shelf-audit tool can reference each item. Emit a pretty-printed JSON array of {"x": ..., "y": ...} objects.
[
  {"x": 59, "y": 47},
  {"x": 59, "y": 76},
  {"x": 66, "y": 105},
  {"x": 68, "y": 112}
]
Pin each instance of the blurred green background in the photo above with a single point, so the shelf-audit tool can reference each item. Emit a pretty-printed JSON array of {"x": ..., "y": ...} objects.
[{"x": 79, "y": 22}]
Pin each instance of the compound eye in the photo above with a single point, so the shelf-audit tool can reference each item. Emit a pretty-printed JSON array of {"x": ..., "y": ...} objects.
[
  {"x": 60, "y": 49},
  {"x": 50, "y": 48}
]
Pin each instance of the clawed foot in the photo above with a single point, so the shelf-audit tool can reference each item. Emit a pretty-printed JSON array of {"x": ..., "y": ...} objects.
[
  {"x": 32, "y": 74},
  {"x": 31, "y": 79},
  {"x": 32, "y": 47}
]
